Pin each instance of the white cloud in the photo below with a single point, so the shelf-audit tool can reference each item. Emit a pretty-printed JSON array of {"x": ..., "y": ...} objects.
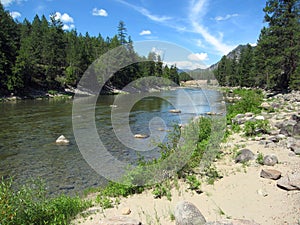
[
  {"x": 196, "y": 12},
  {"x": 99, "y": 12},
  {"x": 145, "y": 32},
  {"x": 198, "y": 56},
  {"x": 6, "y": 3},
  {"x": 145, "y": 12},
  {"x": 227, "y": 17},
  {"x": 15, "y": 15},
  {"x": 253, "y": 44},
  {"x": 68, "y": 27},
  {"x": 65, "y": 18},
  {"x": 186, "y": 65}
]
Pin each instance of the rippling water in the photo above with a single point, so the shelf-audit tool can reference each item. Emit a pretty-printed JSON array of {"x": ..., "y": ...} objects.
[{"x": 29, "y": 129}]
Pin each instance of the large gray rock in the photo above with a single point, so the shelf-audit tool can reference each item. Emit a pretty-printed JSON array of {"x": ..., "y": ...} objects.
[
  {"x": 288, "y": 128},
  {"x": 270, "y": 160},
  {"x": 244, "y": 155},
  {"x": 232, "y": 222},
  {"x": 290, "y": 182},
  {"x": 187, "y": 213},
  {"x": 120, "y": 220},
  {"x": 270, "y": 174},
  {"x": 293, "y": 144}
]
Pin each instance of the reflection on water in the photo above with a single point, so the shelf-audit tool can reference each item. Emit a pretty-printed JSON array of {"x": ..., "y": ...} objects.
[{"x": 29, "y": 130}]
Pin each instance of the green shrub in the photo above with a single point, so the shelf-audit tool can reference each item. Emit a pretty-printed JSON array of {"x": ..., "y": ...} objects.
[
  {"x": 29, "y": 205},
  {"x": 260, "y": 159},
  {"x": 250, "y": 102},
  {"x": 194, "y": 183},
  {"x": 52, "y": 92},
  {"x": 253, "y": 128}
]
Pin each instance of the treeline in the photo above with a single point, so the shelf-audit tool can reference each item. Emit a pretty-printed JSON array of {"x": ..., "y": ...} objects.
[
  {"x": 275, "y": 62},
  {"x": 41, "y": 55}
]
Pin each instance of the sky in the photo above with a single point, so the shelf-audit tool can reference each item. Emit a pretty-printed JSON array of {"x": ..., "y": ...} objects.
[{"x": 208, "y": 29}]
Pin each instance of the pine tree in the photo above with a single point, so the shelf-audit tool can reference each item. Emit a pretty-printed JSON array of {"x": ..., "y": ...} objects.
[
  {"x": 122, "y": 33},
  {"x": 279, "y": 45},
  {"x": 9, "y": 35}
]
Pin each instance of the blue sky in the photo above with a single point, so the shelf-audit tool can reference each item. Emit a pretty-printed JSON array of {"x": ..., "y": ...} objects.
[{"x": 207, "y": 28}]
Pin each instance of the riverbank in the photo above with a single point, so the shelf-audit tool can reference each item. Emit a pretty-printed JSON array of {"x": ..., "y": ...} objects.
[{"x": 242, "y": 193}]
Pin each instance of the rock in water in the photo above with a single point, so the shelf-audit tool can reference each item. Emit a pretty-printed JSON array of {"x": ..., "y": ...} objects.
[
  {"x": 62, "y": 140},
  {"x": 187, "y": 213},
  {"x": 270, "y": 160},
  {"x": 142, "y": 136},
  {"x": 244, "y": 155},
  {"x": 175, "y": 111},
  {"x": 270, "y": 174}
]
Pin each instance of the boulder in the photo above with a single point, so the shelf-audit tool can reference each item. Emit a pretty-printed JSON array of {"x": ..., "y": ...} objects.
[
  {"x": 295, "y": 147},
  {"x": 120, "y": 220},
  {"x": 270, "y": 160},
  {"x": 287, "y": 127},
  {"x": 293, "y": 144},
  {"x": 290, "y": 182},
  {"x": 62, "y": 140},
  {"x": 232, "y": 222},
  {"x": 270, "y": 174},
  {"x": 187, "y": 213},
  {"x": 244, "y": 155}
]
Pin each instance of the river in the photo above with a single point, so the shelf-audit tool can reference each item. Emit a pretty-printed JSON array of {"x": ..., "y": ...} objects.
[{"x": 29, "y": 129}]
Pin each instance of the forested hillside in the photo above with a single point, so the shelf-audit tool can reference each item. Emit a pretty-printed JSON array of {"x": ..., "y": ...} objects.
[
  {"x": 275, "y": 62},
  {"x": 41, "y": 55}
]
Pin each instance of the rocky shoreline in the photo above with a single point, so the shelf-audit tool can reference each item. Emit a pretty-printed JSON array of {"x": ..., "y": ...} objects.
[{"x": 260, "y": 184}]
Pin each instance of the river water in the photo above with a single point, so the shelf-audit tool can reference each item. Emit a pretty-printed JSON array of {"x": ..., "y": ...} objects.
[{"x": 29, "y": 129}]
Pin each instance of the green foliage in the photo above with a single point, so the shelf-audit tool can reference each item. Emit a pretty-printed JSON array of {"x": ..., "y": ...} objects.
[
  {"x": 113, "y": 189},
  {"x": 29, "y": 205},
  {"x": 52, "y": 92},
  {"x": 212, "y": 174},
  {"x": 253, "y": 128},
  {"x": 104, "y": 201},
  {"x": 162, "y": 189},
  {"x": 260, "y": 158},
  {"x": 194, "y": 183},
  {"x": 250, "y": 101}
]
